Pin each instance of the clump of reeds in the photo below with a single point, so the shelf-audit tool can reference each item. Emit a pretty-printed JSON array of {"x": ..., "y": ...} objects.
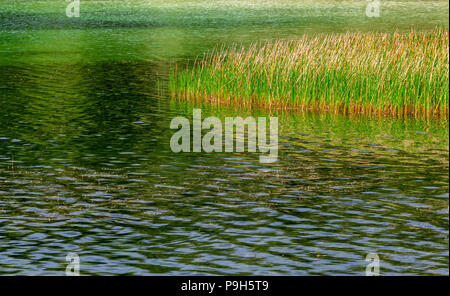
[{"x": 373, "y": 73}]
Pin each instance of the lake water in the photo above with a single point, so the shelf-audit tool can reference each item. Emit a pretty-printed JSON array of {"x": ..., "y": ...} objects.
[{"x": 86, "y": 164}]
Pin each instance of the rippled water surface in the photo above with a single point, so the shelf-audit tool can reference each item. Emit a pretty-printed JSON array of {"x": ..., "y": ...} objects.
[{"x": 86, "y": 165}]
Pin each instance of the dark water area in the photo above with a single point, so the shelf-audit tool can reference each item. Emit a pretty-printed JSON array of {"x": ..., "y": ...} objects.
[{"x": 86, "y": 167}]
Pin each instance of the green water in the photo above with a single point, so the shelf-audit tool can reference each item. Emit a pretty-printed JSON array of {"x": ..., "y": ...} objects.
[{"x": 86, "y": 165}]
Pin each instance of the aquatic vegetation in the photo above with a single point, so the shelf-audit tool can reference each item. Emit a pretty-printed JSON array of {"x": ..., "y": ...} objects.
[{"x": 402, "y": 74}]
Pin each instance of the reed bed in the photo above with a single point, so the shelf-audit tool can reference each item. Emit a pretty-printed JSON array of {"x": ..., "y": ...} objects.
[{"x": 401, "y": 74}]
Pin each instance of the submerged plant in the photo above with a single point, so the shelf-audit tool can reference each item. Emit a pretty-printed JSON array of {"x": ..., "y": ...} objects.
[{"x": 372, "y": 73}]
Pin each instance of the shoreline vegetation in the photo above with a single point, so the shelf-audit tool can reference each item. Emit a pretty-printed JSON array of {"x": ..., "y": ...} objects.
[{"x": 399, "y": 74}]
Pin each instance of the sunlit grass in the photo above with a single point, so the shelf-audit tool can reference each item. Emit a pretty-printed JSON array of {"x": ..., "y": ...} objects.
[{"x": 372, "y": 73}]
